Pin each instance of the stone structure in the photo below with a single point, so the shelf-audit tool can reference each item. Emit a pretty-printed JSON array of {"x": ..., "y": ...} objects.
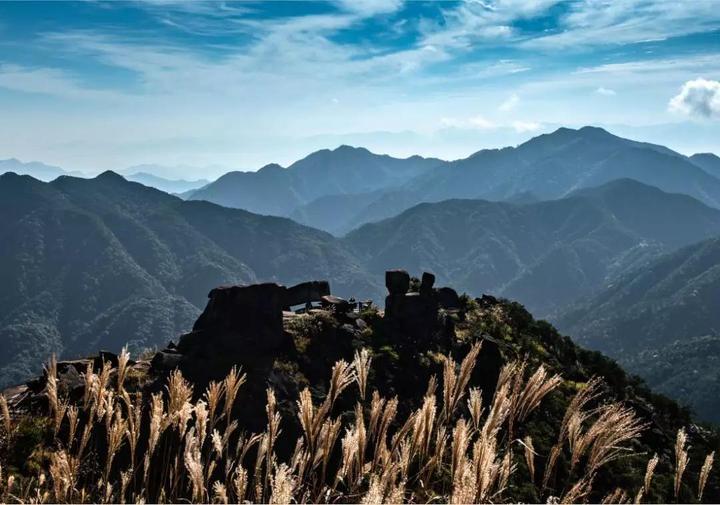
[
  {"x": 238, "y": 323},
  {"x": 414, "y": 316}
]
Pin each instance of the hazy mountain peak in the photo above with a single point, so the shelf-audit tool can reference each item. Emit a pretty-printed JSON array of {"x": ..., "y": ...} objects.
[
  {"x": 348, "y": 148},
  {"x": 709, "y": 162},
  {"x": 586, "y": 133},
  {"x": 616, "y": 184},
  {"x": 9, "y": 177},
  {"x": 711, "y": 156},
  {"x": 271, "y": 167},
  {"x": 595, "y": 130},
  {"x": 109, "y": 175}
]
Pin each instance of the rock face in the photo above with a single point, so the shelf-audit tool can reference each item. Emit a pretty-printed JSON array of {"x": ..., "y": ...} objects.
[{"x": 241, "y": 316}]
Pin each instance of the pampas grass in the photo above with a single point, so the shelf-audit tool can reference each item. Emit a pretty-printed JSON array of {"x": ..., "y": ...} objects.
[
  {"x": 5, "y": 412},
  {"x": 704, "y": 473},
  {"x": 681, "y": 459},
  {"x": 456, "y": 451}
]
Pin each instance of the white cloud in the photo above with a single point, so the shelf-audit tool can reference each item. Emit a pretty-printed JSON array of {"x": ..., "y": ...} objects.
[
  {"x": 475, "y": 122},
  {"x": 526, "y": 126},
  {"x": 605, "y": 91},
  {"x": 509, "y": 104},
  {"x": 698, "y": 98},
  {"x": 482, "y": 123}
]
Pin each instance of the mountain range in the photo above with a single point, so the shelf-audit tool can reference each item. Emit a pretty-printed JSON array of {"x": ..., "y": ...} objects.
[
  {"x": 544, "y": 254},
  {"x": 36, "y": 169},
  {"x": 662, "y": 322},
  {"x": 94, "y": 263},
  {"x": 342, "y": 189},
  {"x": 346, "y": 171},
  {"x": 144, "y": 174},
  {"x": 173, "y": 186},
  {"x": 613, "y": 240}
]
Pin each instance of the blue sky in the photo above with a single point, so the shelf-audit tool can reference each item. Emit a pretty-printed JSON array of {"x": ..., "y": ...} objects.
[{"x": 234, "y": 85}]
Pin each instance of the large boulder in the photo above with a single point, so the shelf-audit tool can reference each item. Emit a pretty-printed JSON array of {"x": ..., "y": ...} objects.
[
  {"x": 397, "y": 282},
  {"x": 312, "y": 291},
  {"x": 426, "y": 284},
  {"x": 242, "y": 308},
  {"x": 447, "y": 298}
]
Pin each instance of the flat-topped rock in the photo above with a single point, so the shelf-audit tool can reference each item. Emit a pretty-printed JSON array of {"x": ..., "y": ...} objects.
[{"x": 305, "y": 292}]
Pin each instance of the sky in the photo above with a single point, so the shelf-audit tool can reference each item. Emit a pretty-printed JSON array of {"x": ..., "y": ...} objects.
[{"x": 205, "y": 87}]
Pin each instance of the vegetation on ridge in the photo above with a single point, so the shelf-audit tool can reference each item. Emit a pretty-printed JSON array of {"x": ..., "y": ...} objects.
[{"x": 545, "y": 431}]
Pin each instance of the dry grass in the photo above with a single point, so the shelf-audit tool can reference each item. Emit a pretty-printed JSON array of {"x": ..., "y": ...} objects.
[
  {"x": 681, "y": 459},
  {"x": 704, "y": 473},
  {"x": 172, "y": 448}
]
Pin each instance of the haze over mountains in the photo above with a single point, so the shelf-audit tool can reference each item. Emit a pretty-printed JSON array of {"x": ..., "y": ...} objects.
[
  {"x": 341, "y": 189},
  {"x": 615, "y": 240},
  {"x": 144, "y": 174},
  {"x": 342, "y": 171}
]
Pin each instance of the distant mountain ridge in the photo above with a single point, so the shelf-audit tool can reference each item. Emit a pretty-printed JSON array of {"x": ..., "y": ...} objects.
[
  {"x": 344, "y": 188},
  {"x": 343, "y": 171},
  {"x": 554, "y": 164},
  {"x": 338, "y": 190},
  {"x": 48, "y": 173},
  {"x": 171, "y": 186},
  {"x": 33, "y": 168}
]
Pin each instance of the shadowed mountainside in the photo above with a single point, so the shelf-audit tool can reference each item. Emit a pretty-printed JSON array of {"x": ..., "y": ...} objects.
[
  {"x": 93, "y": 263},
  {"x": 544, "y": 254},
  {"x": 662, "y": 322}
]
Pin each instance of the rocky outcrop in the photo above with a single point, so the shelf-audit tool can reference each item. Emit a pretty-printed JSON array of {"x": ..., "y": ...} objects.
[
  {"x": 245, "y": 327},
  {"x": 415, "y": 316}
]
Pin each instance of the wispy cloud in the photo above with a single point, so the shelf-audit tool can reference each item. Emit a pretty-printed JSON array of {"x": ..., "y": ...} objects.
[
  {"x": 526, "y": 126},
  {"x": 47, "y": 81},
  {"x": 593, "y": 22},
  {"x": 475, "y": 122},
  {"x": 510, "y": 103},
  {"x": 475, "y": 22},
  {"x": 605, "y": 91}
]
